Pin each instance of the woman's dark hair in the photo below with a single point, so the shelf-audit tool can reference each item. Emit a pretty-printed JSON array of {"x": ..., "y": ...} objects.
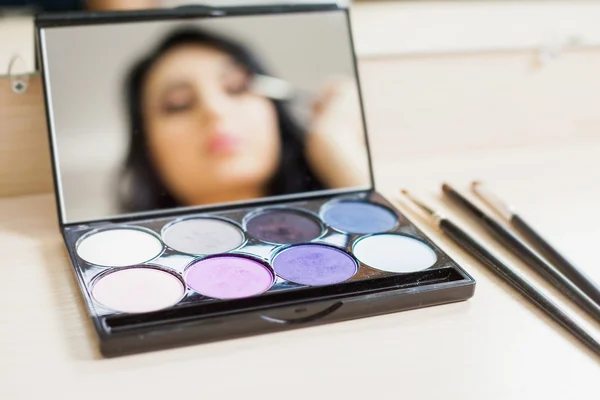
[{"x": 142, "y": 188}]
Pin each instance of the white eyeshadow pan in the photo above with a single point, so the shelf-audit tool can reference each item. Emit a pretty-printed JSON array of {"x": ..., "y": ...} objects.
[
  {"x": 119, "y": 247},
  {"x": 394, "y": 253}
]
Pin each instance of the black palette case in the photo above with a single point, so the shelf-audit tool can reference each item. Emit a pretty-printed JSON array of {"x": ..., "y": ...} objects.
[{"x": 383, "y": 285}]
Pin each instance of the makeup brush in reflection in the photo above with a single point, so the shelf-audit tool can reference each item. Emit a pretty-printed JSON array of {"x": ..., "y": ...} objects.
[
  {"x": 503, "y": 271},
  {"x": 571, "y": 272},
  {"x": 278, "y": 89},
  {"x": 521, "y": 250}
]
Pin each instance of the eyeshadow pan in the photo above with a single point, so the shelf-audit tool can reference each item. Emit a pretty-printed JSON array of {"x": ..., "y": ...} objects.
[
  {"x": 203, "y": 236},
  {"x": 314, "y": 264},
  {"x": 229, "y": 277},
  {"x": 283, "y": 226},
  {"x": 394, "y": 253},
  {"x": 119, "y": 247},
  {"x": 358, "y": 217},
  {"x": 138, "y": 290}
]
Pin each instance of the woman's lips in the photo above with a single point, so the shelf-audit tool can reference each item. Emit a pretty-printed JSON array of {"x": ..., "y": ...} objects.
[{"x": 222, "y": 144}]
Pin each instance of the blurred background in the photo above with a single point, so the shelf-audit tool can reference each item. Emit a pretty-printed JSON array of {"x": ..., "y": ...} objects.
[
  {"x": 69, "y": 5},
  {"x": 452, "y": 76}
]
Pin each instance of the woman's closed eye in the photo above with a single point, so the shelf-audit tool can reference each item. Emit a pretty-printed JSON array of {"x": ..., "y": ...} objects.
[
  {"x": 178, "y": 99},
  {"x": 236, "y": 79}
]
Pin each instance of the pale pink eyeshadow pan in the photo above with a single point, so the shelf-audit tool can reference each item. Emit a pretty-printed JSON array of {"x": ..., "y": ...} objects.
[{"x": 138, "y": 290}]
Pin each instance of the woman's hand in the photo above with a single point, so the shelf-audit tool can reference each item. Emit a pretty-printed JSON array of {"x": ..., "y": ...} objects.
[{"x": 335, "y": 144}]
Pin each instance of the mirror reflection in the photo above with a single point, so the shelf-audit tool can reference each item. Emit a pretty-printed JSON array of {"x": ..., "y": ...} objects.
[{"x": 161, "y": 115}]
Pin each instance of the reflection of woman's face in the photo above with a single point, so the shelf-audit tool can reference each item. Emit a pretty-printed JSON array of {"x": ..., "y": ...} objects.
[{"x": 210, "y": 138}]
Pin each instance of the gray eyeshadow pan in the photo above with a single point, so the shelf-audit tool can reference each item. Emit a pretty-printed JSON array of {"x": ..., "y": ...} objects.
[
  {"x": 201, "y": 236},
  {"x": 283, "y": 226}
]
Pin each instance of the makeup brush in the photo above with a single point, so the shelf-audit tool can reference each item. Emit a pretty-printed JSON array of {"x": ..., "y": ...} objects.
[
  {"x": 278, "y": 89},
  {"x": 518, "y": 248},
  {"x": 471, "y": 246},
  {"x": 570, "y": 271}
]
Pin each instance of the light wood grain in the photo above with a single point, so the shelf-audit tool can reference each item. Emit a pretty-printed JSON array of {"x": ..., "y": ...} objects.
[
  {"x": 531, "y": 133},
  {"x": 495, "y": 346},
  {"x": 24, "y": 153},
  {"x": 451, "y": 26},
  {"x": 435, "y": 105}
]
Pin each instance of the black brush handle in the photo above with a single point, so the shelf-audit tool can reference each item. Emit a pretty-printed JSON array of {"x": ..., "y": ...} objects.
[
  {"x": 519, "y": 284},
  {"x": 517, "y": 247},
  {"x": 574, "y": 274}
]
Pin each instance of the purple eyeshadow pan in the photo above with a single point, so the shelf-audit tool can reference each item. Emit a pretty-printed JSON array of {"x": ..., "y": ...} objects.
[
  {"x": 283, "y": 226},
  {"x": 314, "y": 264},
  {"x": 229, "y": 277}
]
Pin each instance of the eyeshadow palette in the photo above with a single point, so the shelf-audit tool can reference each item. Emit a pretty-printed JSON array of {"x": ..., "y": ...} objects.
[
  {"x": 179, "y": 238},
  {"x": 177, "y": 270}
]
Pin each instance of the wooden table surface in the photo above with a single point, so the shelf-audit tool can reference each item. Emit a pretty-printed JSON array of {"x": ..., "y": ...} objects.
[
  {"x": 488, "y": 117},
  {"x": 494, "y": 346}
]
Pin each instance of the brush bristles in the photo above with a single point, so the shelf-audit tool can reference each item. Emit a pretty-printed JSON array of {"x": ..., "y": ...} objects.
[{"x": 422, "y": 206}]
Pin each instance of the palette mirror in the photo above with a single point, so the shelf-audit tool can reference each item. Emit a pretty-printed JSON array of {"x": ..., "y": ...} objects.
[{"x": 162, "y": 115}]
